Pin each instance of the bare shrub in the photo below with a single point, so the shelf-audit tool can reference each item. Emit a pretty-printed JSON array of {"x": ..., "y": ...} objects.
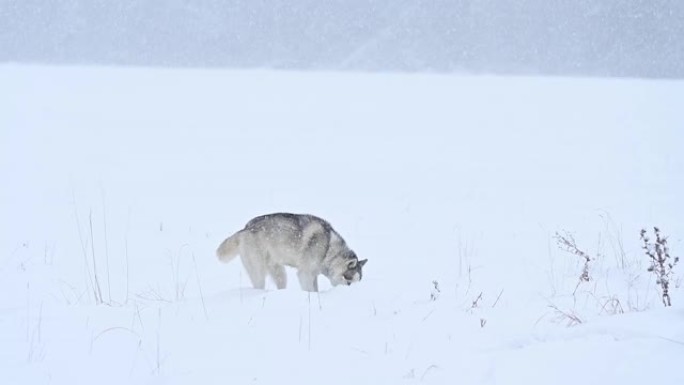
[
  {"x": 567, "y": 242},
  {"x": 661, "y": 261}
]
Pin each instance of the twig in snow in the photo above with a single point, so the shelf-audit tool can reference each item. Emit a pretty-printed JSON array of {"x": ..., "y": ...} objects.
[
  {"x": 476, "y": 301},
  {"x": 497, "y": 298}
]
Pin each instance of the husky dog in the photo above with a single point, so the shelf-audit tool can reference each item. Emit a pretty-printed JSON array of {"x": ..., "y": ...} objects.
[{"x": 305, "y": 242}]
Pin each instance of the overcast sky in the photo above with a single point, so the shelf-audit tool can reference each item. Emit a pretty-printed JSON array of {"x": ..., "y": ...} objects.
[{"x": 638, "y": 38}]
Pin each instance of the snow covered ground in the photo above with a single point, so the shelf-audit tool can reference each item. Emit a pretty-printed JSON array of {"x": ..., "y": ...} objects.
[{"x": 120, "y": 183}]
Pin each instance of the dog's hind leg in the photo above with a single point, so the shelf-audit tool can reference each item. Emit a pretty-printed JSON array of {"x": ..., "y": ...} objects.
[{"x": 255, "y": 265}]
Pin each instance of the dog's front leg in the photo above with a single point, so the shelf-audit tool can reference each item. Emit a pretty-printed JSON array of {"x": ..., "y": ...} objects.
[{"x": 307, "y": 280}]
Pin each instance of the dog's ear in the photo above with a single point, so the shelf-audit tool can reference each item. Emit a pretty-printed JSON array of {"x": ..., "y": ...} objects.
[
  {"x": 351, "y": 264},
  {"x": 363, "y": 262}
]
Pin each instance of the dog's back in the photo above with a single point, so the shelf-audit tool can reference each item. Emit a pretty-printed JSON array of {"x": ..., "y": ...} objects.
[
  {"x": 297, "y": 240},
  {"x": 286, "y": 223}
]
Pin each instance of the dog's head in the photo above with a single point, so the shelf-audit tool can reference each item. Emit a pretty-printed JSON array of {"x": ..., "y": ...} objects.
[{"x": 348, "y": 270}]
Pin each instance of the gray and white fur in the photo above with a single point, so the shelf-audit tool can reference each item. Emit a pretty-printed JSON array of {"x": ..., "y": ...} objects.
[{"x": 309, "y": 244}]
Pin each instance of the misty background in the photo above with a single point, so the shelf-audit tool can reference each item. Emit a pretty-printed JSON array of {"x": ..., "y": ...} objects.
[{"x": 634, "y": 38}]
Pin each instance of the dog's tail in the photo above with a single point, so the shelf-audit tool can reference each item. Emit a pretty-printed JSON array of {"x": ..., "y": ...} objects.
[{"x": 229, "y": 248}]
